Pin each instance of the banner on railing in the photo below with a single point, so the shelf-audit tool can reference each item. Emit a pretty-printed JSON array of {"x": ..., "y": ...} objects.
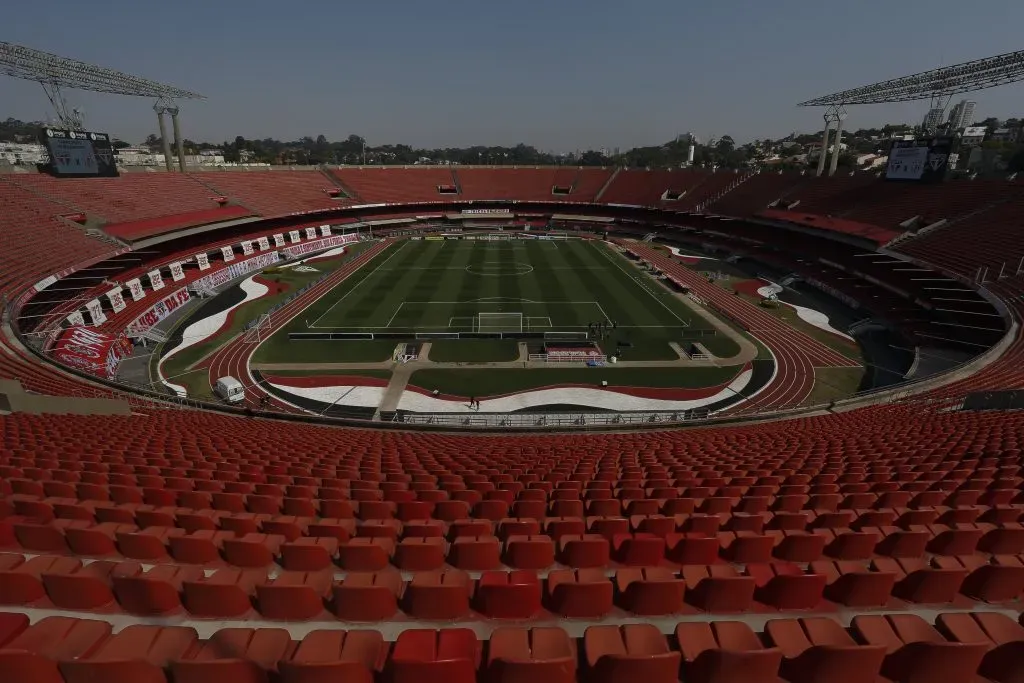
[
  {"x": 177, "y": 272},
  {"x": 156, "y": 280},
  {"x": 159, "y": 311},
  {"x": 225, "y": 275},
  {"x": 319, "y": 245},
  {"x": 136, "y": 290},
  {"x": 203, "y": 260},
  {"x": 76, "y": 318},
  {"x": 95, "y": 309},
  {"x": 247, "y": 249},
  {"x": 325, "y": 231},
  {"x": 228, "y": 253},
  {"x": 294, "y": 236},
  {"x": 311, "y": 232},
  {"x": 116, "y": 299},
  {"x": 264, "y": 243},
  {"x": 92, "y": 351},
  {"x": 279, "y": 240}
]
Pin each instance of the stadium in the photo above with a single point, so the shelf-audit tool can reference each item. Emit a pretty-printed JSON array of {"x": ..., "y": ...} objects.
[{"x": 507, "y": 423}]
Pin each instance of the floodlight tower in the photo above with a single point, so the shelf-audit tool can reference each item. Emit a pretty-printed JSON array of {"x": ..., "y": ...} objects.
[{"x": 161, "y": 108}]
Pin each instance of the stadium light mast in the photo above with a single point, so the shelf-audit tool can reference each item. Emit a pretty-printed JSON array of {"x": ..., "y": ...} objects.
[
  {"x": 937, "y": 85},
  {"x": 55, "y": 73}
]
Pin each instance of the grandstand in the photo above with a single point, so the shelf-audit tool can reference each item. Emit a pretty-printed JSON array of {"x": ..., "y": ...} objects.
[{"x": 881, "y": 537}]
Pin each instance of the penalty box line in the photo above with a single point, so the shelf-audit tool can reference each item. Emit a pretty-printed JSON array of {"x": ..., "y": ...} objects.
[{"x": 357, "y": 285}]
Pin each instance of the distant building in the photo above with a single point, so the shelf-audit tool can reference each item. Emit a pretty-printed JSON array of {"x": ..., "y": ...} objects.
[
  {"x": 973, "y": 136},
  {"x": 22, "y": 154},
  {"x": 932, "y": 119},
  {"x": 1006, "y": 134},
  {"x": 961, "y": 115}
]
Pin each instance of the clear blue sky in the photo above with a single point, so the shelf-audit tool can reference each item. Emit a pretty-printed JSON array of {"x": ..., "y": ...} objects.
[{"x": 559, "y": 74}]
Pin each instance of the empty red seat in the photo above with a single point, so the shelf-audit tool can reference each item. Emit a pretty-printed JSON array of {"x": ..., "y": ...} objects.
[
  {"x": 650, "y": 591},
  {"x": 691, "y": 548},
  {"x": 367, "y": 596},
  {"x": 252, "y": 549},
  {"x": 580, "y": 593},
  {"x": 916, "y": 652},
  {"x": 475, "y": 553},
  {"x": 202, "y": 546},
  {"x": 819, "y": 650},
  {"x": 33, "y": 652},
  {"x": 538, "y": 655},
  {"x": 584, "y": 550},
  {"x": 21, "y": 581},
  {"x": 787, "y": 586},
  {"x": 744, "y": 547},
  {"x": 420, "y": 554},
  {"x": 425, "y": 656},
  {"x": 633, "y": 652},
  {"x": 508, "y": 595},
  {"x": 156, "y": 591},
  {"x": 999, "y": 578},
  {"x": 135, "y": 653},
  {"x": 439, "y": 594},
  {"x": 853, "y": 584},
  {"x": 1003, "y": 637},
  {"x": 225, "y": 593},
  {"x": 324, "y": 655},
  {"x": 639, "y": 549},
  {"x": 11, "y": 626},
  {"x": 924, "y": 581},
  {"x": 88, "y": 586},
  {"x": 718, "y": 588},
  {"x": 529, "y": 552},
  {"x": 294, "y": 596},
  {"x": 365, "y": 554},
  {"x": 725, "y": 651},
  {"x": 233, "y": 654}
]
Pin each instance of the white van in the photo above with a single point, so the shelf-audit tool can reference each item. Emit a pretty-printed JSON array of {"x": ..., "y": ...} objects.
[{"x": 230, "y": 389}]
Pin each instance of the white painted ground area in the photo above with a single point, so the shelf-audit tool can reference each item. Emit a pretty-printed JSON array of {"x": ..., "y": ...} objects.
[
  {"x": 326, "y": 254},
  {"x": 607, "y": 399},
  {"x": 362, "y": 397},
  {"x": 676, "y": 252},
  {"x": 808, "y": 315},
  {"x": 201, "y": 330}
]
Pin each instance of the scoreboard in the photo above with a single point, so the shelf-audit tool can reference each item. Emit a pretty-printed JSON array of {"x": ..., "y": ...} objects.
[
  {"x": 79, "y": 154},
  {"x": 921, "y": 160}
]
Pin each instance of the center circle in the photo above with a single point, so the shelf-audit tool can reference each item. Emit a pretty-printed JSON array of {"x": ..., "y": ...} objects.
[{"x": 499, "y": 268}]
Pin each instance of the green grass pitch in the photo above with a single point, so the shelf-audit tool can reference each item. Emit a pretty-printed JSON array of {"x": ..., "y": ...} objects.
[{"x": 442, "y": 286}]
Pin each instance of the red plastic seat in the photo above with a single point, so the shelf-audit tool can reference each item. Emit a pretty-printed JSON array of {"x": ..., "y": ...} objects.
[
  {"x": 691, "y": 548},
  {"x": 529, "y": 552},
  {"x": 819, "y": 650},
  {"x": 508, "y": 595},
  {"x": 438, "y": 594},
  {"x": 367, "y": 596},
  {"x": 86, "y": 587},
  {"x": 33, "y": 652},
  {"x": 786, "y": 586},
  {"x": 537, "y": 655},
  {"x": 999, "y": 578},
  {"x": 329, "y": 655},
  {"x": 420, "y": 554},
  {"x": 294, "y": 596},
  {"x": 916, "y": 652},
  {"x": 584, "y": 550},
  {"x": 365, "y": 554},
  {"x": 853, "y": 584},
  {"x": 922, "y": 581},
  {"x": 202, "y": 546},
  {"x": 650, "y": 591},
  {"x": 718, "y": 588},
  {"x": 252, "y": 550},
  {"x": 744, "y": 547},
  {"x": 425, "y": 656},
  {"x": 475, "y": 553},
  {"x": 225, "y": 593},
  {"x": 639, "y": 549},
  {"x": 135, "y": 654},
  {"x": 580, "y": 593},
  {"x": 725, "y": 651},
  {"x": 629, "y": 653},
  {"x": 1003, "y": 637},
  {"x": 233, "y": 654},
  {"x": 156, "y": 591}
]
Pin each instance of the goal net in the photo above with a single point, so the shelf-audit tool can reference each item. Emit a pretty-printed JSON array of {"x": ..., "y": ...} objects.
[{"x": 499, "y": 322}]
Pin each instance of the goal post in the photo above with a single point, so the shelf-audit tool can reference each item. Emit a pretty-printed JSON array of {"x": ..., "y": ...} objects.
[{"x": 499, "y": 322}]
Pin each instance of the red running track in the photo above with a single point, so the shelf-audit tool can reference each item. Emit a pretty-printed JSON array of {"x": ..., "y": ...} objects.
[
  {"x": 796, "y": 354},
  {"x": 233, "y": 357}
]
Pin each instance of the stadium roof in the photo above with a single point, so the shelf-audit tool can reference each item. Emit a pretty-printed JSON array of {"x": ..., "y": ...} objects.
[
  {"x": 35, "y": 65},
  {"x": 937, "y": 83}
]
